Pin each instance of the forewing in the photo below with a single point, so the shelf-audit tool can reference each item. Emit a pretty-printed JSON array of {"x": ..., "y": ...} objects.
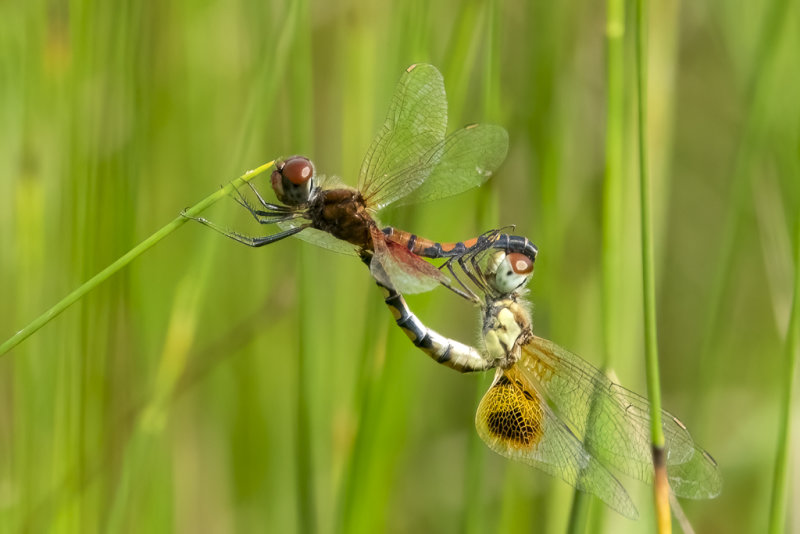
[
  {"x": 515, "y": 422},
  {"x": 614, "y": 422},
  {"x": 393, "y": 265},
  {"x": 408, "y": 144},
  {"x": 468, "y": 158}
]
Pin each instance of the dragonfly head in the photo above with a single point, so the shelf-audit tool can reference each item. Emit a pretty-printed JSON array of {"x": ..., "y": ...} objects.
[
  {"x": 293, "y": 180},
  {"x": 505, "y": 272}
]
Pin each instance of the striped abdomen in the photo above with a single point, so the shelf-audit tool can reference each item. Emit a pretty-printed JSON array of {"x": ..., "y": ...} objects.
[
  {"x": 445, "y": 351},
  {"x": 433, "y": 249}
]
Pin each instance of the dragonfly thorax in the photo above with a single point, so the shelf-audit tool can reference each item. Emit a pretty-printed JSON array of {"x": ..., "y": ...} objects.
[
  {"x": 343, "y": 213},
  {"x": 506, "y": 328}
]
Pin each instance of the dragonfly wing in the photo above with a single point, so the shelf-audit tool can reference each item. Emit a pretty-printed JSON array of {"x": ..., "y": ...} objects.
[
  {"x": 405, "y": 150},
  {"x": 319, "y": 238},
  {"x": 393, "y": 265},
  {"x": 614, "y": 422},
  {"x": 468, "y": 158},
  {"x": 698, "y": 478},
  {"x": 517, "y": 423}
]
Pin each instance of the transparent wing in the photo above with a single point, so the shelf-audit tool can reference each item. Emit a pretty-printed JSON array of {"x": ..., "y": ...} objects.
[
  {"x": 408, "y": 144},
  {"x": 614, "y": 423},
  {"x": 515, "y": 422},
  {"x": 319, "y": 238},
  {"x": 394, "y": 266},
  {"x": 468, "y": 158}
]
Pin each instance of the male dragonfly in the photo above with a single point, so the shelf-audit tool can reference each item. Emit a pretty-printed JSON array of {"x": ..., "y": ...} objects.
[
  {"x": 549, "y": 408},
  {"x": 410, "y": 160}
]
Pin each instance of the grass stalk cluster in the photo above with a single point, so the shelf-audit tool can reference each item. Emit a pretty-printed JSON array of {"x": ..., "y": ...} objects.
[{"x": 211, "y": 387}]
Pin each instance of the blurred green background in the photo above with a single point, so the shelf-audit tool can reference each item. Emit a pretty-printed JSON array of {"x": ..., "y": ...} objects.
[{"x": 210, "y": 387}]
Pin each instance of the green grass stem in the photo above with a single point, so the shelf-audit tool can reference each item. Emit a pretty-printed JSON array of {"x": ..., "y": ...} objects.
[
  {"x": 612, "y": 183},
  {"x": 128, "y": 257},
  {"x": 612, "y": 209},
  {"x": 660, "y": 485},
  {"x": 309, "y": 347},
  {"x": 778, "y": 504},
  {"x": 757, "y": 97},
  {"x": 579, "y": 512}
]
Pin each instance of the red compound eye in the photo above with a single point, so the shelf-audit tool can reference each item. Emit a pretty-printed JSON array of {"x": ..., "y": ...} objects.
[
  {"x": 298, "y": 170},
  {"x": 520, "y": 263}
]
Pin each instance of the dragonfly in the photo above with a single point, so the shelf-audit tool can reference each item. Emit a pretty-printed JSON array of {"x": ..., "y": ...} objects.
[
  {"x": 549, "y": 408},
  {"x": 410, "y": 160}
]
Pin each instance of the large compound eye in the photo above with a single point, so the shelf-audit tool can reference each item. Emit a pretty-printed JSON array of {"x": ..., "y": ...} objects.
[
  {"x": 512, "y": 271},
  {"x": 298, "y": 170},
  {"x": 520, "y": 263},
  {"x": 293, "y": 180}
]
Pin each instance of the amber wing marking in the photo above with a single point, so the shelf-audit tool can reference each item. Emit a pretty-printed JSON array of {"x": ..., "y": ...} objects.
[{"x": 511, "y": 414}]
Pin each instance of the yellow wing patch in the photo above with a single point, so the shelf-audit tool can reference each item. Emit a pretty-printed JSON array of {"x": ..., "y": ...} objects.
[{"x": 511, "y": 413}]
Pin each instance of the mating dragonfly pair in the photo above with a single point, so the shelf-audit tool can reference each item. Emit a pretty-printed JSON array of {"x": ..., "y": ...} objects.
[{"x": 546, "y": 406}]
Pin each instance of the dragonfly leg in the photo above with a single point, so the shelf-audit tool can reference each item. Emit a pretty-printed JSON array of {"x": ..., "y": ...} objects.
[
  {"x": 267, "y": 205},
  {"x": 469, "y": 295},
  {"x": 475, "y": 279},
  {"x": 475, "y": 274},
  {"x": 265, "y": 217},
  {"x": 247, "y": 240}
]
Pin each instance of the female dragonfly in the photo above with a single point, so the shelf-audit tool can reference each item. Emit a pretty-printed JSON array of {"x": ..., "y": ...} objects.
[
  {"x": 410, "y": 160},
  {"x": 549, "y": 408}
]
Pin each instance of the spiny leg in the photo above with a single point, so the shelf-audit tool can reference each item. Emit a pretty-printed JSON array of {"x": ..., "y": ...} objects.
[
  {"x": 267, "y": 217},
  {"x": 275, "y": 214},
  {"x": 475, "y": 273},
  {"x": 472, "y": 296},
  {"x": 247, "y": 240},
  {"x": 484, "y": 241},
  {"x": 467, "y": 271},
  {"x": 275, "y": 208},
  {"x": 268, "y": 205},
  {"x": 473, "y": 270},
  {"x": 469, "y": 295}
]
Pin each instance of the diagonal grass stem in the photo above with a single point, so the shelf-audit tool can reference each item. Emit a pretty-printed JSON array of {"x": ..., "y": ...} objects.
[{"x": 124, "y": 260}]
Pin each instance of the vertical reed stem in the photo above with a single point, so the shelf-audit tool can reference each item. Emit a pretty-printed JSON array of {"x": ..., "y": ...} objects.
[
  {"x": 777, "y": 515},
  {"x": 612, "y": 207},
  {"x": 660, "y": 485}
]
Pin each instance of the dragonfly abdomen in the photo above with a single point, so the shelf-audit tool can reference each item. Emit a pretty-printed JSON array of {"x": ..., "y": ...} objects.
[
  {"x": 434, "y": 249},
  {"x": 430, "y": 249},
  {"x": 445, "y": 351}
]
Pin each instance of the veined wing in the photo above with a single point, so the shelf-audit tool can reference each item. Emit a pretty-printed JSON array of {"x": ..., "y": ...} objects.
[
  {"x": 614, "y": 422},
  {"x": 468, "y": 158},
  {"x": 394, "y": 266},
  {"x": 319, "y": 238},
  {"x": 517, "y": 423},
  {"x": 404, "y": 152}
]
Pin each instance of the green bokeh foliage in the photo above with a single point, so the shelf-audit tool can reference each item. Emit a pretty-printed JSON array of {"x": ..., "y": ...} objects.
[{"x": 212, "y": 387}]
